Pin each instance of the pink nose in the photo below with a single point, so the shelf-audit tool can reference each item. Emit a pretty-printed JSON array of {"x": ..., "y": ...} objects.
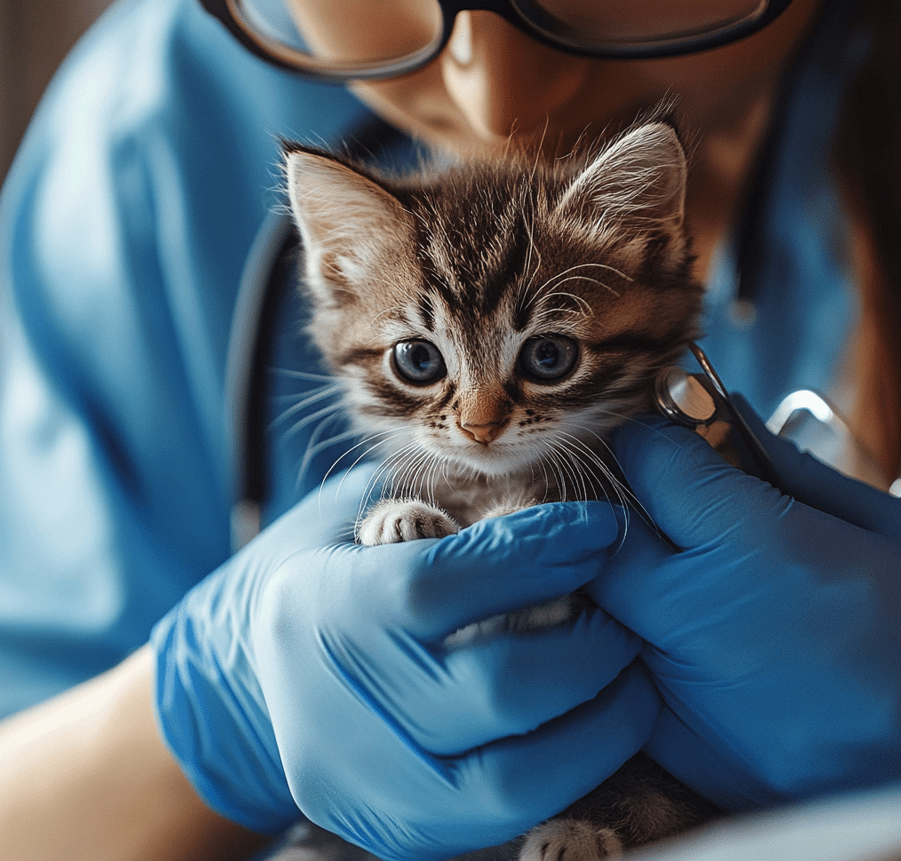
[{"x": 483, "y": 434}]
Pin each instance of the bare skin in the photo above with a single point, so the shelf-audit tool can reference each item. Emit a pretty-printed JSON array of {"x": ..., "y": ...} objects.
[
  {"x": 494, "y": 87},
  {"x": 86, "y": 776}
]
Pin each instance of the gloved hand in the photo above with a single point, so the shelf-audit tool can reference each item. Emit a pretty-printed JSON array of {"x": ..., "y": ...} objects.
[
  {"x": 311, "y": 675},
  {"x": 774, "y": 635}
]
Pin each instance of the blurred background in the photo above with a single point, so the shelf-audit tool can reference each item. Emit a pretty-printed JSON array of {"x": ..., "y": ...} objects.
[{"x": 34, "y": 38}]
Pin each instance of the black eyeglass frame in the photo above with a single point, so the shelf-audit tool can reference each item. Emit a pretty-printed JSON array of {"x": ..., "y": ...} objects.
[{"x": 525, "y": 15}]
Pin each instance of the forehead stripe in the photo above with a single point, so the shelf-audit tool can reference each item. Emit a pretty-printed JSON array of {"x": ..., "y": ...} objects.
[{"x": 427, "y": 312}]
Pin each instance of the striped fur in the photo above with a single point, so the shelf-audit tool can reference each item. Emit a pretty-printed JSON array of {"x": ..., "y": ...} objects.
[{"x": 477, "y": 260}]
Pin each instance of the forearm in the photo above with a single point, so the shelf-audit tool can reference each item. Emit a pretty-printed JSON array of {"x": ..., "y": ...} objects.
[{"x": 86, "y": 776}]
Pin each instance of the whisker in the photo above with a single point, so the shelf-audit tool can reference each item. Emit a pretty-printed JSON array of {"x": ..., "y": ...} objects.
[
  {"x": 388, "y": 436},
  {"x": 299, "y": 425},
  {"x": 314, "y": 445},
  {"x": 629, "y": 500},
  {"x": 607, "y": 287},
  {"x": 377, "y": 477},
  {"x": 561, "y": 470},
  {"x": 558, "y": 276},
  {"x": 593, "y": 466},
  {"x": 612, "y": 485},
  {"x": 327, "y": 392},
  {"x": 391, "y": 463},
  {"x": 606, "y": 266},
  {"x": 301, "y": 375}
]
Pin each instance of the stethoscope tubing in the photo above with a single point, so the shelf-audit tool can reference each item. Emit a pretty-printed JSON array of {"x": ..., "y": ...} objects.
[{"x": 252, "y": 325}]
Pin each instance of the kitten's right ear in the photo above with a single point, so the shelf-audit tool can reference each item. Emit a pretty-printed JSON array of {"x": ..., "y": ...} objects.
[{"x": 351, "y": 228}]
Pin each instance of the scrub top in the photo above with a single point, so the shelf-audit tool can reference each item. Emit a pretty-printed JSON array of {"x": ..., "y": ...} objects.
[{"x": 125, "y": 225}]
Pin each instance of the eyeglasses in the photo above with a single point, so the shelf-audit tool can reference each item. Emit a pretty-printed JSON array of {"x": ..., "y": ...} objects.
[{"x": 372, "y": 39}]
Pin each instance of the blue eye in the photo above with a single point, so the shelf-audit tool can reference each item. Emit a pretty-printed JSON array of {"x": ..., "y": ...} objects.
[
  {"x": 418, "y": 362},
  {"x": 546, "y": 358}
]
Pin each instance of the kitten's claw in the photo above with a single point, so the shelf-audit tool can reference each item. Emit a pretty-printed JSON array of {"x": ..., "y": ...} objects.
[
  {"x": 392, "y": 521},
  {"x": 570, "y": 840}
]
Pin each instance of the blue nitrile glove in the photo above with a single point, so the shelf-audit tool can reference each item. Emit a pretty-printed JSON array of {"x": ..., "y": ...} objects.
[
  {"x": 774, "y": 635},
  {"x": 311, "y": 675}
]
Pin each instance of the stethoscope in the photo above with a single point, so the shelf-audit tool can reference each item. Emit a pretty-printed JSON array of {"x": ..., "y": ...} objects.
[
  {"x": 699, "y": 400},
  {"x": 253, "y": 320}
]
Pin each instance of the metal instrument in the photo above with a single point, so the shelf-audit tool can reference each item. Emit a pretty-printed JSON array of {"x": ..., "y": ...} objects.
[{"x": 700, "y": 400}]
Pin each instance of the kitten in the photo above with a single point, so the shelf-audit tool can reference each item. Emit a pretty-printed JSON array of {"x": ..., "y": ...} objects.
[{"x": 492, "y": 324}]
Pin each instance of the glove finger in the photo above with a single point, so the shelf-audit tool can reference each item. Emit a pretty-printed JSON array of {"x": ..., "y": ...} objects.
[
  {"x": 708, "y": 763},
  {"x": 629, "y": 583},
  {"x": 813, "y": 483},
  {"x": 496, "y": 566},
  {"x": 498, "y": 790},
  {"x": 688, "y": 490},
  {"x": 524, "y": 779},
  {"x": 326, "y": 515},
  {"x": 511, "y": 683}
]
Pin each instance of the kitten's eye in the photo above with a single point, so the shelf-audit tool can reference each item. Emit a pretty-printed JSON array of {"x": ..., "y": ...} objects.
[
  {"x": 546, "y": 358},
  {"x": 418, "y": 362}
]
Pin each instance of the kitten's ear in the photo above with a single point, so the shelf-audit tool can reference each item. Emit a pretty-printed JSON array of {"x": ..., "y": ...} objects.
[
  {"x": 637, "y": 182},
  {"x": 352, "y": 229}
]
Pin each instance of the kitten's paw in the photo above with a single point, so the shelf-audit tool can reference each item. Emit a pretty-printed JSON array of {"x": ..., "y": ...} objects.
[
  {"x": 392, "y": 521},
  {"x": 570, "y": 840}
]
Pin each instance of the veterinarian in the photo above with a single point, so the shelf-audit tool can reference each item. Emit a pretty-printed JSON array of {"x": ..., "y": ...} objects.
[{"x": 170, "y": 697}]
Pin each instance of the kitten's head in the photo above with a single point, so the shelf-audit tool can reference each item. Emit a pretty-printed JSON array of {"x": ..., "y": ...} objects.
[{"x": 494, "y": 312}]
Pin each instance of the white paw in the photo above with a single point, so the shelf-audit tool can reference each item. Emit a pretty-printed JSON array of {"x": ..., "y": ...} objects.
[
  {"x": 394, "y": 520},
  {"x": 570, "y": 840}
]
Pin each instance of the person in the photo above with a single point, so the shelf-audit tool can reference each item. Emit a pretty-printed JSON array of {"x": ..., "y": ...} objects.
[{"x": 303, "y": 676}]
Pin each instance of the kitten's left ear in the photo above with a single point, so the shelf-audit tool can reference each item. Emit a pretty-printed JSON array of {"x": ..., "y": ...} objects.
[{"x": 637, "y": 182}]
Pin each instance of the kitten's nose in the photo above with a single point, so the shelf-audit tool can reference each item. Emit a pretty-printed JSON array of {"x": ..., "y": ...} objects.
[{"x": 483, "y": 434}]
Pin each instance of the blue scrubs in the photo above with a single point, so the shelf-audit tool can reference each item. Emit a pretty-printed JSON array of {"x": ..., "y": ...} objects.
[
  {"x": 125, "y": 224},
  {"x": 124, "y": 228}
]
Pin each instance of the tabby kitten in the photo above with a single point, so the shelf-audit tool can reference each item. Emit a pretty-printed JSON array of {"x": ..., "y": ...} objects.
[{"x": 492, "y": 323}]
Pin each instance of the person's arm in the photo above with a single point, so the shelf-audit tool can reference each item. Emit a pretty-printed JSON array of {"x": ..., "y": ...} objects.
[{"x": 86, "y": 776}]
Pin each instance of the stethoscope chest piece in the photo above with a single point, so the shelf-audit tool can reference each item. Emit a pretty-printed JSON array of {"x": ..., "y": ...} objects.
[
  {"x": 700, "y": 402},
  {"x": 683, "y": 397}
]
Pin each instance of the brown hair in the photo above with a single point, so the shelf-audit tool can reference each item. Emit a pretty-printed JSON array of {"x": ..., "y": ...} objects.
[{"x": 867, "y": 153}]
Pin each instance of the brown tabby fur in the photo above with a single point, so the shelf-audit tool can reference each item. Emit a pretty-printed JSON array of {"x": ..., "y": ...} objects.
[{"x": 477, "y": 259}]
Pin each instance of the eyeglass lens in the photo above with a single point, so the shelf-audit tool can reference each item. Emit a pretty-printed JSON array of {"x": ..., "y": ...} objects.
[
  {"x": 641, "y": 21},
  {"x": 391, "y": 30}
]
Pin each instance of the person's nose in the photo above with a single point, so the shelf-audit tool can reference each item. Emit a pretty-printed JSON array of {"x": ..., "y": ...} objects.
[{"x": 504, "y": 81}]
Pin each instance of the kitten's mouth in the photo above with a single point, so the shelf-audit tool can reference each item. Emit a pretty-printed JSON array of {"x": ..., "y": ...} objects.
[{"x": 492, "y": 458}]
